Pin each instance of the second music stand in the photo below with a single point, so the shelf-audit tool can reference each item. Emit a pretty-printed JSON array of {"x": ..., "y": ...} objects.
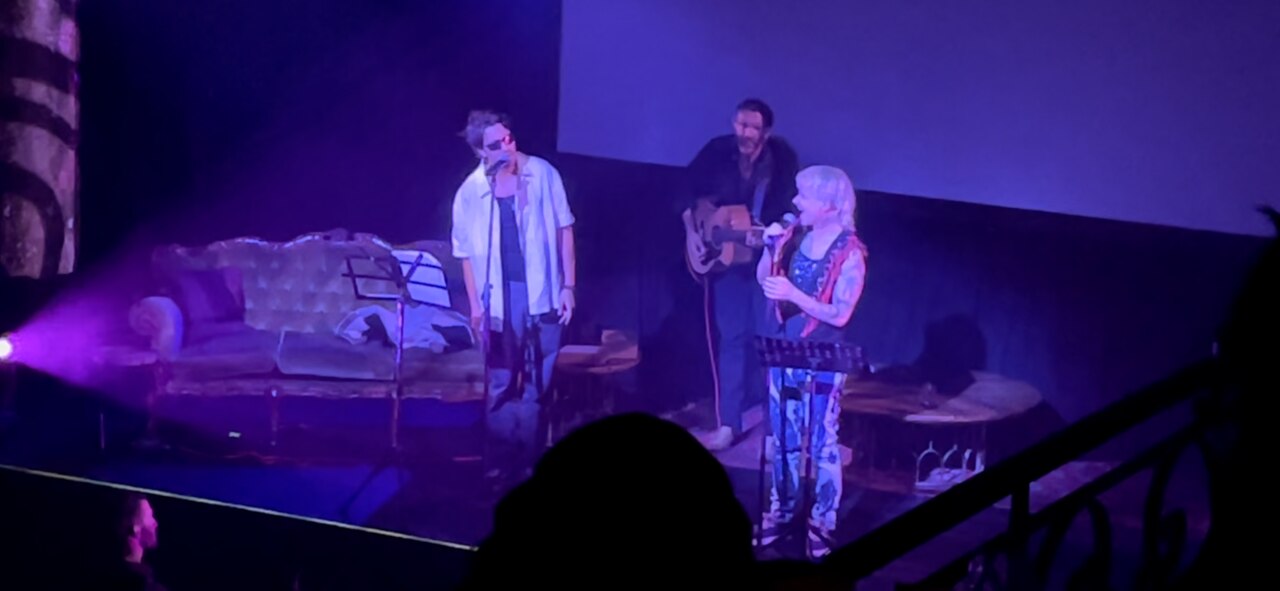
[
  {"x": 412, "y": 276},
  {"x": 407, "y": 276}
]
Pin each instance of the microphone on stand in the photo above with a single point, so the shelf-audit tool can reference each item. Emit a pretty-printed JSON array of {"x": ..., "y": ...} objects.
[
  {"x": 775, "y": 269},
  {"x": 497, "y": 164}
]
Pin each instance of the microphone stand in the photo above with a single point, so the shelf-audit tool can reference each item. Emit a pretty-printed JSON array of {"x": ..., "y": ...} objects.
[
  {"x": 775, "y": 270},
  {"x": 486, "y": 302},
  {"x": 775, "y": 253}
]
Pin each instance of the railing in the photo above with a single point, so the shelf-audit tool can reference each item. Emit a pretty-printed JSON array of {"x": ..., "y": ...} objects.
[
  {"x": 1012, "y": 478},
  {"x": 1228, "y": 424}
]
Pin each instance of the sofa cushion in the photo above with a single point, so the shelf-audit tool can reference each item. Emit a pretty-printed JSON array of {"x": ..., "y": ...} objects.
[
  {"x": 215, "y": 350},
  {"x": 205, "y": 295},
  {"x": 306, "y": 354},
  {"x": 463, "y": 366},
  {"x": 328, "y": 355}
]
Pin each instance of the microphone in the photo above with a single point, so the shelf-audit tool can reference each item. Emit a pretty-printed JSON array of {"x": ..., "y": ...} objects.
[
  {"x": 499, "y": 163},
  {"x": 788, "y": 220}
]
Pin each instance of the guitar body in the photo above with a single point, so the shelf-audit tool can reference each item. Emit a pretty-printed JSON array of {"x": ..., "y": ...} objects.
[{"x": 728, "y": 234}]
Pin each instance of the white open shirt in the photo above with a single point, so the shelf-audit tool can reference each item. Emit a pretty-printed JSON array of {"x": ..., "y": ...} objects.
[{"x": 542, "y": 209}]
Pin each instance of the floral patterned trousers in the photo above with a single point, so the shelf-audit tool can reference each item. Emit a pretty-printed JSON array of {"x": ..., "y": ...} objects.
[{"x": 789, "y": 410}]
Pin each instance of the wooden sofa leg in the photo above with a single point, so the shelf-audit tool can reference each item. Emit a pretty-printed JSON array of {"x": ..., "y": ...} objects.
[
  {"x": 274, "y": 394},
  {"x": 159, "y": 380},
  {"x": 395, "y": 421}
]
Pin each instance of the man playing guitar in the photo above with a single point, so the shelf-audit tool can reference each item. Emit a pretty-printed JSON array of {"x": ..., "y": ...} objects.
[{"x": 748, "y": 176}]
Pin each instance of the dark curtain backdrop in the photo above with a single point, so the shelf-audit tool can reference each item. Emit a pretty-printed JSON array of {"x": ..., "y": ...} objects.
[
  {"x": 1086, "y": 310},
  {"x": 273, "y": 118}
]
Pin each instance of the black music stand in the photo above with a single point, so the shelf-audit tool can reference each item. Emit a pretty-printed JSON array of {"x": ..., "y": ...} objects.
[
  {"x": 407, "y": 277},
  {"x": 805, "y": 355}
]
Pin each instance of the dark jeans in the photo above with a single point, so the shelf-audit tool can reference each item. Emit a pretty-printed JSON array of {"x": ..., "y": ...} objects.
[
  {"x": 521, "y": 361},
  {"x": 738, "y": 303}
]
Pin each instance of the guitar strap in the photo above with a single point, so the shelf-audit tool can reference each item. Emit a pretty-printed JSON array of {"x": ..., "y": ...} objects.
[
  {"x": 757, "y": 200},
  {"x": 764, "y": 170}
]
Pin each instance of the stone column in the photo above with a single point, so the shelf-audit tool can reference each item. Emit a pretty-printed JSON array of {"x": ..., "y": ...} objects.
[{"x": 39, "y": 122}]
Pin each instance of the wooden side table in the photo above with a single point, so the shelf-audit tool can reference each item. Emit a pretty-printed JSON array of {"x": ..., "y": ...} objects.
[
  {"x": 130, "y": 358},
  {"x": 945, "y": 436},
  {"x": 582, "y": 389}
]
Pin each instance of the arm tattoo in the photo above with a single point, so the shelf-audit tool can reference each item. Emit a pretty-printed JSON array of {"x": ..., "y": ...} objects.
[
  {"x": 849, "y": 286},
  {"x": 847, "y": 292},
  {"x": 824, "y": 312}
]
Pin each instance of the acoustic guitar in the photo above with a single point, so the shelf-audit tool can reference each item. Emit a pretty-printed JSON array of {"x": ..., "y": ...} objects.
[{"x": 728, "y": 234}]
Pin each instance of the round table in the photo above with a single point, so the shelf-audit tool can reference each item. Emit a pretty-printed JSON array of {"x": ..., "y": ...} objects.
[
  {"x": 581, "y": 387},
  {"x": 129, "y": 359},
  {"x": 939, "y": 440}
]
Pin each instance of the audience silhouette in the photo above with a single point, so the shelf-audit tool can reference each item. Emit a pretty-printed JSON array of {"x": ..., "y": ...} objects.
[{"x": 630, "y": 499}]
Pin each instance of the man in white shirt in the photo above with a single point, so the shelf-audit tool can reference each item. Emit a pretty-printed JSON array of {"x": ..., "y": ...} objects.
[{"x": 513, "y": 232}]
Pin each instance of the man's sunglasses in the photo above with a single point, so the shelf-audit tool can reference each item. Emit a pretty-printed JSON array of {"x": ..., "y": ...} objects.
[{"x": 497, "y": 144}]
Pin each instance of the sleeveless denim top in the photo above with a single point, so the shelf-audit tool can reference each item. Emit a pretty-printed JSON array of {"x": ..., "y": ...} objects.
[{"x": 810, "y": 275}]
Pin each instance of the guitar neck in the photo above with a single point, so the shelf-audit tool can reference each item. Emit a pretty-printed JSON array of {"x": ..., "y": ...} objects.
[{"x": 720, "y": 235}]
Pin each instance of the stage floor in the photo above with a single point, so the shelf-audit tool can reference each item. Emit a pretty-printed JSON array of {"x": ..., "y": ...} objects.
[{"x": 434, "y": 494}]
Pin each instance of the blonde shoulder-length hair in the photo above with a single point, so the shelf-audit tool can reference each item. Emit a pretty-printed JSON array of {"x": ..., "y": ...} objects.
[{"x": 832, "y": 186}]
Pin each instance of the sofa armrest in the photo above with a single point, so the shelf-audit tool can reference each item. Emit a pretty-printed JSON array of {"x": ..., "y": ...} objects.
[{"x": 159, "y": 319}]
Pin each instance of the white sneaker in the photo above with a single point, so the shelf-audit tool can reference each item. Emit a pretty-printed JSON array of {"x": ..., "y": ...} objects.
[
  {"x": 820, "y": 545},
  {"x": 717, "y": 439}
]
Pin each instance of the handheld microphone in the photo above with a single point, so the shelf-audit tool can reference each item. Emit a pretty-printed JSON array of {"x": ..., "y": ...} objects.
[{"x": 788, "y": 220}]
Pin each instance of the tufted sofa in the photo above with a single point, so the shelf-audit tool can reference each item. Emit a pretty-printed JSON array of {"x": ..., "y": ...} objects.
[{"x": 248, "y": 317}]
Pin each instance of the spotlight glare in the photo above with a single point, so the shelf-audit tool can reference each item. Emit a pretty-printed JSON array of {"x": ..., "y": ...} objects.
[{"x": 6, "y": 348}]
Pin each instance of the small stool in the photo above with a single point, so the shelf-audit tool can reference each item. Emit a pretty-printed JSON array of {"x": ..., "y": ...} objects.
[{"x": 581, "y": 391}]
